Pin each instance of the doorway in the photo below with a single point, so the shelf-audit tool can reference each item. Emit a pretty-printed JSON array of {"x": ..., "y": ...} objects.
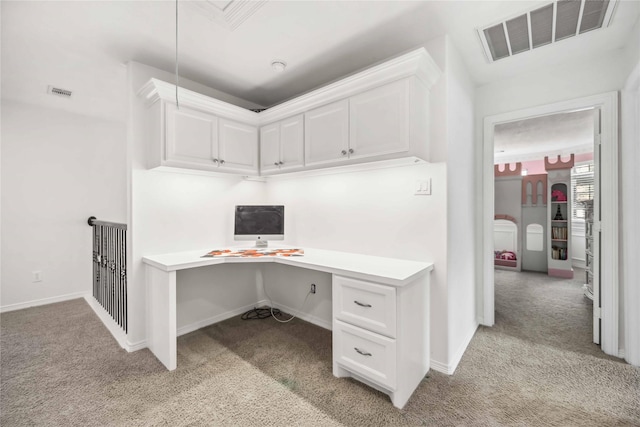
[
  {"x": 608, "y": 142},
  {"x": 545, "y": 181}
]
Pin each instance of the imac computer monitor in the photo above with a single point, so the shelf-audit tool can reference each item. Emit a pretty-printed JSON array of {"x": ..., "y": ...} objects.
[{"x": 259, "y": 223}]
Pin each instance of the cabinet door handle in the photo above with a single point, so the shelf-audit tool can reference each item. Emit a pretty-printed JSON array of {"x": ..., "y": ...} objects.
[
  {"x": 344, "y": 152},
  {"x": 350, "y": 150},
  {"x": 362, "y": 352},
  {"x": 281, "y": 163},
  {"x": 215, "y": 160},
  {"x": 221, "y": 162},
  {"x": 276, "y": 164},
  {"x": 362, "y": 305}
]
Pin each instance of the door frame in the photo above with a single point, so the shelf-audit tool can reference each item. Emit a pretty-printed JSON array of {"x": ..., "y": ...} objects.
[
  {"x": 608, "y": 104},
  {"x": 630, "y": 135}
]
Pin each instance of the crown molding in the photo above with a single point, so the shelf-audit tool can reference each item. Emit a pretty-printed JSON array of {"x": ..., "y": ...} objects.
[
  {"x": 155, "y": 90},
  {"x": 417, "y": 64}
]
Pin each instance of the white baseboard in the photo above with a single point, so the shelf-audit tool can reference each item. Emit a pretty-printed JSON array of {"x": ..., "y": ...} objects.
[
  {"x": 215, "y": 319},
  {"x": 115, "y": 329},
  {"x": 440, "y": 367},
  {"x": 229, "y": 314},
  {"x": 579, "y": 263},
  {"x": 135, "y": 346},
  {"x": 43, "y": 301},
  {"x": 450, "y": 368},
  {"x": 304, "y": 316},
  {"x": 463, "y": 347}
]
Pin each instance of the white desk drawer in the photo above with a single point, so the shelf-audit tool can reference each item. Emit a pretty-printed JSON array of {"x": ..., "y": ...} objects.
[
  {"x": 369, "y": 305},
  {"x": 366, "y": 353}
]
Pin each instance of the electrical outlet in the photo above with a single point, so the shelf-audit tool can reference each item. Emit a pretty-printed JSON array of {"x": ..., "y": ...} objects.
[
  {"x": 36, "y": 276},
  {"x": 313, "y": 288}
]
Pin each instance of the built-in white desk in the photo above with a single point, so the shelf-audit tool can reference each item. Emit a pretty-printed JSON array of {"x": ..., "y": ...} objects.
[{"x": 380, "y": 313}]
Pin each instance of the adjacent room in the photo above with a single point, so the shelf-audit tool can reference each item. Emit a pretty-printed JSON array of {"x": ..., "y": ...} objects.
[
  {"x": 545, "y": 193},
  {"x": 320, "y": 213}
]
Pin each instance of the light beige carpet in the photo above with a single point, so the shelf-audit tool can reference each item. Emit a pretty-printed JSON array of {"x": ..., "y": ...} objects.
[{"x": 537, "y": 366}]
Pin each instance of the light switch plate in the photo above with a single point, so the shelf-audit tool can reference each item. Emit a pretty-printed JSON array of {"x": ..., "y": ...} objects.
[{"x": 423, "y": 187}]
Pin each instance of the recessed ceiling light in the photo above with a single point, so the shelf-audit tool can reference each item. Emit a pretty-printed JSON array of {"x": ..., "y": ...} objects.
[{"x": 278, "y": 66}]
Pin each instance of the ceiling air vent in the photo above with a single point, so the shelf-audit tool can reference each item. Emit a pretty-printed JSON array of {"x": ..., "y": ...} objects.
[
  {"x": 59, "y": 92},
  {"x": 544, "y": 25}
]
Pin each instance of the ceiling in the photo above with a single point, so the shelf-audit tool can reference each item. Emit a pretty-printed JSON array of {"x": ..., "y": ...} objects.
[
  {"x": 535, "y": 138},
  {"x": 230, "y": 44}
]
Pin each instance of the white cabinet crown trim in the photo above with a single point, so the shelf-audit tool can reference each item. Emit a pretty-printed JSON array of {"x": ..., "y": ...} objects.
[
  {"x": 155, "y": 90},
  {"x": 416, "y": 63}
]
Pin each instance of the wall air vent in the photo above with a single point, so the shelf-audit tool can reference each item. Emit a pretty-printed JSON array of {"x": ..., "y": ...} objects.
[
  {"x": 59, "y": 92},
  {"x": 544, "y": 25}
]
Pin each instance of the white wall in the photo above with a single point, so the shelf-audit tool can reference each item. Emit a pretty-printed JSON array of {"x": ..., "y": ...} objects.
[
  {"x": 58, "y": 169},
  {"x": 171, "y": 211},
  {"x": 593, "y": 75},
  {"x": 462, "y": 317},
  {"x": 372, "y": 212}
]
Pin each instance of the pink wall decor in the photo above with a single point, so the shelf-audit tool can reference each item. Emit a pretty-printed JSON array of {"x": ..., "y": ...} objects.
[
  {"x": 584, "y": 157},
  {"x": 507, "y": 171},
  {"x": 533, "y": 180},
  {"x": 507, "y": 217},
  {"x": 559, "y": 164}
]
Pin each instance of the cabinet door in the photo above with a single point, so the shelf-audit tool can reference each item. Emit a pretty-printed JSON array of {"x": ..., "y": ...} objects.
[
  {"x": 379, "y": 121},
  {"x": 238, "y": 147},
  {"x": 191, "y": 137},
  {"x": 292, "y": 143},
  {"x": 270, "y": 147},
  {"x": 326, "y": 138}
]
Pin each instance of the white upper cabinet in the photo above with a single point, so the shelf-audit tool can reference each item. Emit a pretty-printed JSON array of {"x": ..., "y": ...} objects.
[
  {"x": 292, "y": 143},
  {"x": 270, "y": 148},
  {"x": 191, "y": 137},
  {"x": 379, "y": 121},
  {"x": 326, "y": 137},
  {"x": 282, "y": 145},
  {"x": 378, "y": 114},
  {"x": 238, "y": 147},
  {"x": 199, "y": 134},
  {"x": 382, "y": 123}
]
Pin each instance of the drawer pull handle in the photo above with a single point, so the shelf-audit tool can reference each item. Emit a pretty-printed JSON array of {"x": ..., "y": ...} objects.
[
  {"x": 364, "y": 353},
  {"x": 362, "y": 305}
]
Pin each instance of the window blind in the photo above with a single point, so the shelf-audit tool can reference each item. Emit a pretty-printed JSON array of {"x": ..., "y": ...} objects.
[{"x": 582, "y": 188}]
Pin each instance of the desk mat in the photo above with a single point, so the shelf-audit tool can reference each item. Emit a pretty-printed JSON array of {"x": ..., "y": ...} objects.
[{"x": 253, "y": 253}]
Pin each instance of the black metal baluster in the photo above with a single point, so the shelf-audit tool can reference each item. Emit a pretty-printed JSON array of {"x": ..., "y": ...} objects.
[{"x": 109, "y": 260}]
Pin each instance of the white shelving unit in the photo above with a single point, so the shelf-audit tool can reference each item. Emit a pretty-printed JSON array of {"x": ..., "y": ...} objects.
[{"x": 559, "y": 215}]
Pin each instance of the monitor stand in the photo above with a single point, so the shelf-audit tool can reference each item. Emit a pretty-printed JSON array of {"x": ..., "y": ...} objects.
[{"x": 262, "y": 244}]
